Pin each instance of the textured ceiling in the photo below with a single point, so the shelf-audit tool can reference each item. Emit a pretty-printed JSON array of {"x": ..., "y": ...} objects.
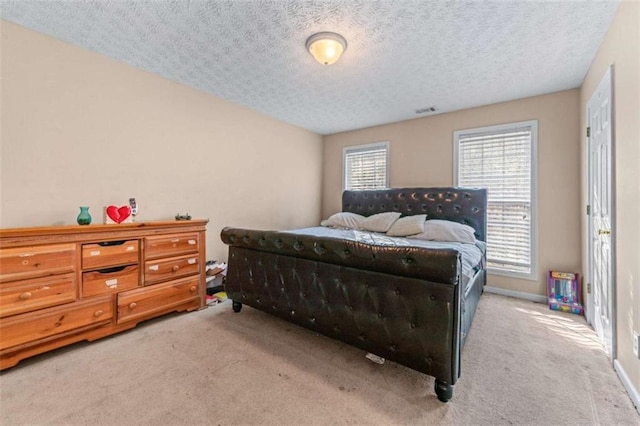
[{"x": 401, "y": 55}]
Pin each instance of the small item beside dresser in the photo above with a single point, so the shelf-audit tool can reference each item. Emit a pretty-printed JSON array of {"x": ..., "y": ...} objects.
[{"x": 63, "y": 284}]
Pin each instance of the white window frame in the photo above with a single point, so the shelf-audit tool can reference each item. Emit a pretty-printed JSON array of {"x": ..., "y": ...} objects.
[
  {"x": 533, "y": 124},
  {"x": 362, "y": 148}
]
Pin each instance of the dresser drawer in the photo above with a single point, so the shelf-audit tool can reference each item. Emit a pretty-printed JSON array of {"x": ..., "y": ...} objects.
[
  {"x": 142, "y": 302},
  {"x": 30, "y": 327},
  {"x": 111, "y": 253},
  {"x": 173, "y": 245},
  {"x": 110, "y": 280},
  {"x": 38, "y": 261},
  {"x": 37, "y": 293},
  {"x": 175, "y": 267}
]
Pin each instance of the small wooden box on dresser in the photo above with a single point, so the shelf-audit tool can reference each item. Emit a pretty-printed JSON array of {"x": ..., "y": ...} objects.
[{"x": 64, "y": 284}]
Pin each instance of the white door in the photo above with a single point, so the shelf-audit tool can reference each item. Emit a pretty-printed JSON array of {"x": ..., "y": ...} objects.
[{"x": 600, "y": 165}]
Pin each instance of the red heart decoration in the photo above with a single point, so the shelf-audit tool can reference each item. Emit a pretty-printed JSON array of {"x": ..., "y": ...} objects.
[{"x": 118, "y": 214}]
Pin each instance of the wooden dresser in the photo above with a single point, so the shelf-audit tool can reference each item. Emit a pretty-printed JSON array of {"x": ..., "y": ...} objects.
[{"x": 60, "y": 285}]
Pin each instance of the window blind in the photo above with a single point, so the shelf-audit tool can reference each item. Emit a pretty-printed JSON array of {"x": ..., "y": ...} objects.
[
  {"x": 365, "y": 167},
  {"x": 501, "y": 161}
]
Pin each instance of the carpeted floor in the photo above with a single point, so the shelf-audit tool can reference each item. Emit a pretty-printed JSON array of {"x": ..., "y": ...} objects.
[{"x": 522, "y": 364}]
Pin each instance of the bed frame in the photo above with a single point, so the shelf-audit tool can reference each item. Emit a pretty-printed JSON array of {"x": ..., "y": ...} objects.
[{"x": 405, "y": 304}]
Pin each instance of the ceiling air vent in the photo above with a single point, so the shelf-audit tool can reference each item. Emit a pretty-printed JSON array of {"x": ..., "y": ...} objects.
[{"x": 427, "y": 110}]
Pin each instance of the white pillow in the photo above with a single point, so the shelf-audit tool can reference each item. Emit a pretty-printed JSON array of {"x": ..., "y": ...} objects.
[
  {"x": 408, "y": 225},
  {"x": 445, "y": 230},
  {"x": 380, "y": 222},
  {"x": 343, "y": 220}
]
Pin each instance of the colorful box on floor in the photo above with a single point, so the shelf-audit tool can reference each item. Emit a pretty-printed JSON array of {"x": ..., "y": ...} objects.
[{"x": 563, "y": 291}]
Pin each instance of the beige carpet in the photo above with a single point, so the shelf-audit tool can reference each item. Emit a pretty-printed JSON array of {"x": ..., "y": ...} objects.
[{"x": 522, "y": 364}]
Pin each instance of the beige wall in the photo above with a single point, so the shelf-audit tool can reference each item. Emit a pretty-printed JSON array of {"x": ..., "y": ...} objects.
[
  {"x": 621, "y": 48},
  {"x": 79, "y": 128},
  {"x": 421, "y": 154}
]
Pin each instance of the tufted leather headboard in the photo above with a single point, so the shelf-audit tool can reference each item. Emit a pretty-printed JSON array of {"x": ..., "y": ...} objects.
[{"x": 464, "y": 205}]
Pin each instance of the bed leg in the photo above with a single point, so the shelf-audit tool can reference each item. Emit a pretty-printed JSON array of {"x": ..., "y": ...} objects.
[
  {"x": 237, "y": 306},
  {"x": 443, "y": 390}
]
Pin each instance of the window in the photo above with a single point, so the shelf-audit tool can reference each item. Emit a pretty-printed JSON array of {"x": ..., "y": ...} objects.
[
  {"x": 503, "y": 160},
  {"x": 366, "y": 166}
]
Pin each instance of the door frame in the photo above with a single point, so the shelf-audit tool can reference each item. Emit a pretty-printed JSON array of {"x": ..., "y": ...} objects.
[{"x": 589, "y": 303}]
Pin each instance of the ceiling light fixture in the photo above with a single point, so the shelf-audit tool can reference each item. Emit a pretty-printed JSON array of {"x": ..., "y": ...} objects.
[{"x": 326, "y": 47}]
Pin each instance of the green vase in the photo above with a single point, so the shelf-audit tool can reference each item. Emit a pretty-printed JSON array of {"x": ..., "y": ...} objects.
[{"x": 84, "y": 218}]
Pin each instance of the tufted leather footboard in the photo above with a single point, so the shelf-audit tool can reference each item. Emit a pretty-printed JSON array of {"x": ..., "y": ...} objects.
[{"x": 414, "y": 321}]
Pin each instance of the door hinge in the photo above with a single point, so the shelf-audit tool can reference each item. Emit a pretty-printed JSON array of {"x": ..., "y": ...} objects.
[
  {"x": 588, "y": 210},
  {"x": 588, "y": 131},
  {"x": 589, "y": 288}
]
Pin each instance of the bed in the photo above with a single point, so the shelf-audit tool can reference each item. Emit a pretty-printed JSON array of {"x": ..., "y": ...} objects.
[{"x": 406, "y": 300}]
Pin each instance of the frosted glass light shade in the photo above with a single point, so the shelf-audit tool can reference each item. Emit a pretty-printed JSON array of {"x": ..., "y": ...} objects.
[{"x": 326, "y": 47}]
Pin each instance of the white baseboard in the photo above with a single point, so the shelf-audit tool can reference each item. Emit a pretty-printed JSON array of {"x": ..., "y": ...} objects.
[
  {"x": 517, "y": 294},
  {"x": 633, "y": 392}
]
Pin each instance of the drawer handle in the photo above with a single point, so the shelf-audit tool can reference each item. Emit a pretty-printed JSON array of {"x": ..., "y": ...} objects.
[
  {"x": 193, "y": 288},
  {"x": 132, "y": 305},
  {"x": 175, "y": 268},
  {"x": 26, "y": 295},
  {"x": 112, "y": 243},
  {"x": 111, "y": 270},
  {"x": 98, "y": 313}
]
